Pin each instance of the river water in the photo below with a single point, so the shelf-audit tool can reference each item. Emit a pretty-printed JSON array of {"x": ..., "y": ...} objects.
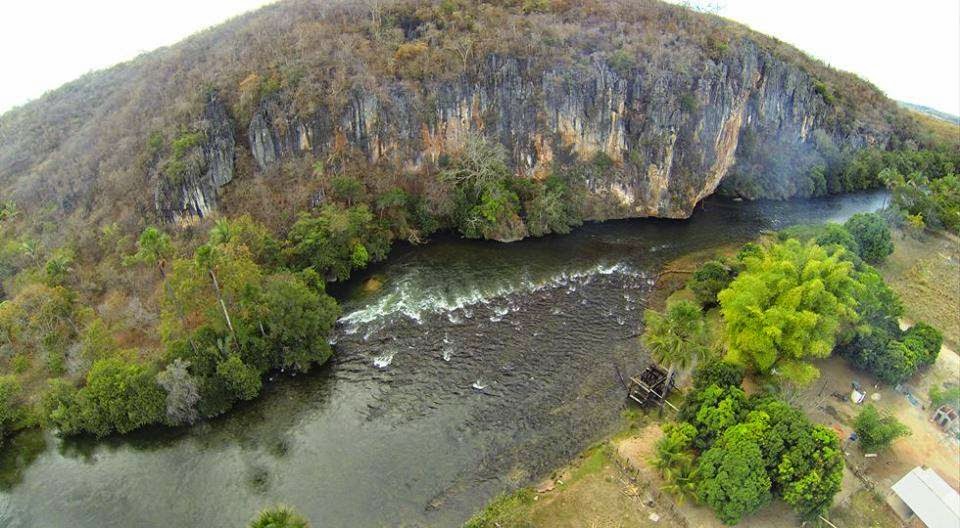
[{"x": 476, "y": 367}]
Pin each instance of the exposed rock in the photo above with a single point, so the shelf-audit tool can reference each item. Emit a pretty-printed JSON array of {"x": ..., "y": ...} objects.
[
  {"x": 674, "y": 134},
  {"x": 210, "y": 166}
]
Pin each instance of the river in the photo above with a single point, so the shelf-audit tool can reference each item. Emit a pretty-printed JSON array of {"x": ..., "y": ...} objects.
[{"x": 477, "y": 366}]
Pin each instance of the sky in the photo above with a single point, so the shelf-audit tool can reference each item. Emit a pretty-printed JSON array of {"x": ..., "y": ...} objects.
[
  {"x": 46, "y": 43},
  {"x": 910, "y": 50}
]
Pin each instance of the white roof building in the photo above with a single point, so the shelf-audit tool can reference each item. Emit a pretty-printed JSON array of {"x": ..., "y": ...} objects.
[{"x": 930, "y": 498}]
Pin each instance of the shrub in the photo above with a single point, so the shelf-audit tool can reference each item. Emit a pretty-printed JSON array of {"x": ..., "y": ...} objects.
[
  {"x": 877, "y": 432},
  {"x": 10, "y": 410},
  {"x": 709, "y": 279},
  {"x": 279, "y": 517},
  {"x": 719, "y": 373},
  {"x": 872, "y": 235}
]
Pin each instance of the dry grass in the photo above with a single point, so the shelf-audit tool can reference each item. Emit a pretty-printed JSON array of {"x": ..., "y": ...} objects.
[
  {"x": 865, "y": 509},
  {"x": 925, "y": 273}
]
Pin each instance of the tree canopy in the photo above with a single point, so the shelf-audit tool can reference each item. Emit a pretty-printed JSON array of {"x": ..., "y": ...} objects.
[
  {"x": 877, "y": 432},
  {"x": 872, "y": 236},
  {"x": 787, "y": 306}
]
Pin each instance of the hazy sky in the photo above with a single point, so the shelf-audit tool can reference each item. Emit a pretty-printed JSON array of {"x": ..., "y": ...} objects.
[
  {"x": 46, "y": 43},
  {"x": 911, "y": 50}
]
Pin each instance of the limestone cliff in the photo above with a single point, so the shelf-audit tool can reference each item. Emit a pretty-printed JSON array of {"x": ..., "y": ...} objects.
[{"x": 675, "y": 134}]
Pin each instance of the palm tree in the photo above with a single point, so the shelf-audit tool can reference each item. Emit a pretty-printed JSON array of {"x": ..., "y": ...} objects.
[
  {"x": 675, "y": 338},
  {"x": 682, "y": 480},
  {"x": 279, "y": 517},
  {"x": 221, "y": 233},
  {"x": 674, "y": 460},
  {"x": 153, "y": 248}
]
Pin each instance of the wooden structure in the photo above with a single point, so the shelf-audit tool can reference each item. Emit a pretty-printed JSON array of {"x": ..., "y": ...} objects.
[{"x": 651, "y": 386}]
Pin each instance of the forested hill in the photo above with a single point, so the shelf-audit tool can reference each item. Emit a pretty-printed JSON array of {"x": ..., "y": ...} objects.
[{"x": 644, "y": 106}]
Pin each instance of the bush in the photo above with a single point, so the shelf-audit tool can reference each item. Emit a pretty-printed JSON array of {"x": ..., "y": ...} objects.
[
  {"x": 279, "y": 517},
  {"x": 119, "y": 396},
  {"x": 709, "y": 279},
  {"x": 877, "y": 432},
  {"x": 11, "y": 412},
  {"x": 719, "y": 373},
  {"x": 872, "y": 235}
]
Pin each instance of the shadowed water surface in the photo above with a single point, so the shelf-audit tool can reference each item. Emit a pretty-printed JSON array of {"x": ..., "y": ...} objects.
[{"x": 477, "y": 366}]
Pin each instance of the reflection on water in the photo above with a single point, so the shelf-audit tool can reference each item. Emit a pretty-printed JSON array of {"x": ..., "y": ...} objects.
[{"x": 473, "y": 362}]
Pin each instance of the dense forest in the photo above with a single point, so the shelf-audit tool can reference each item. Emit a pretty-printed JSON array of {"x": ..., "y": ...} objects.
[{"x": 169, "y": 225}]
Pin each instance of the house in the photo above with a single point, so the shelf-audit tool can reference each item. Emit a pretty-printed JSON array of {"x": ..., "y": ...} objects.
[
  {"x": 924, "y": 494},
  {"x": 947, "y": 418}
]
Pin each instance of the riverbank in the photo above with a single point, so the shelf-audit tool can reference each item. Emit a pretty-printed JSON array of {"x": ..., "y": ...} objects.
[
  {"x": 623, "y": 485},
  {"x": 475, "y": 368}
]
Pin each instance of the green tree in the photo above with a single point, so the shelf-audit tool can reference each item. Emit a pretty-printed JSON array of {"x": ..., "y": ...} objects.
[
  {"x": 928, "y": 338},
  {"x": 395, "y": 199},
  {"x": 810, "y": 473},
  {"x": 677, "y": 337},
  {"x": 877, "y": 305},
  {"x": 11, "y": 411},
  {"x": 244, "y": 231},
  {"x": 836, "y": 234},
  {"x": 719, "y": 373},
  {"x": 712, "y": 411},
  {"x": 709, "y": 280},
  {"x": 298, "y": 321},
  {"x": 347, "y": 189},
  {"x": 674, "y": 459},
  {"x": 946, "y": 198},
  {"x": 119, "y": 396},
  {"x": 486, "y": 205},
  {"x": 552, "y": 208},
  {"x": 788, "y": 306},
  {"x": 872, "y": 235},
  {"x": 279, "y": 517},
  {"x": 947, "y": 394},
  {"x": 733, "y": 480},
  {"x": 242, "y": 379},
  {"x": 877, "y": 432},
  {"x": 59, "y": 267},
  {"x": 335, "y": 241}
]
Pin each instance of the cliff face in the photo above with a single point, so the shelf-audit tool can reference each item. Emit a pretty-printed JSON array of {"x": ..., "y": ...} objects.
[
  {"x": 208, "y": 167},
  {"x": 676, "y": 134}
]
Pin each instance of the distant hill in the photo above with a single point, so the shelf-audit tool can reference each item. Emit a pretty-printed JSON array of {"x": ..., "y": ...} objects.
[{"x": 932, "y": 112}]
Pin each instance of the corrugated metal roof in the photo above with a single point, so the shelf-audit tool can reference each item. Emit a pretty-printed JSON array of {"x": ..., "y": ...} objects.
[{"x": 930, "y": 498}]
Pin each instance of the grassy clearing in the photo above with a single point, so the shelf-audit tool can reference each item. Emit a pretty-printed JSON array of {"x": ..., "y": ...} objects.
[
  {"x": 593, "y": 491},
  {"x": 925, "y": 272}
]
